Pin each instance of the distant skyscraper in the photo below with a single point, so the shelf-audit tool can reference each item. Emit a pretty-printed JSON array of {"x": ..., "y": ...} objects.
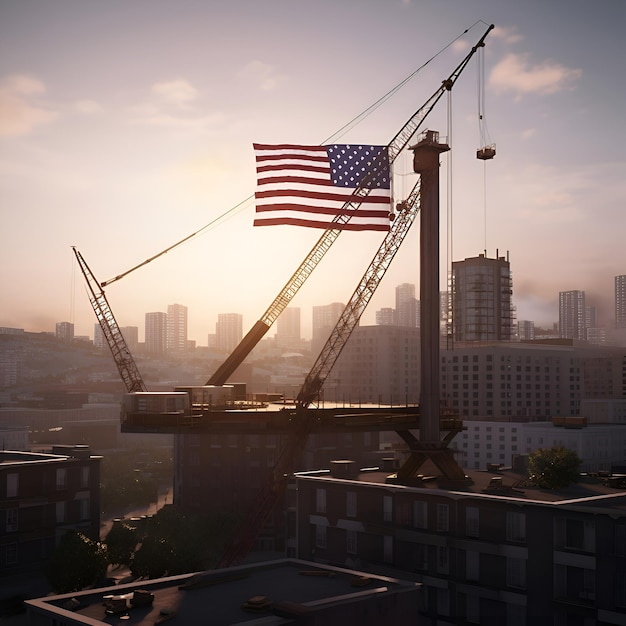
[
  {"x": 407, "y": 306},
  {"x": 156, "y": 332},
  {"x": 176, "y": 327},
  {"x": 228, "y": 331},
  {"x": 482, "y": 308},
  {"x": 386, "y": 317},
  {"x": 525, "y": 330},
  {"x": 572, "y": 314},
  {"x": 324, "y": 319},
  {"x": 98, "y": 337},
  {"x": 65, "y": 331},
  {"x": 288, "y": 328},
  {"x": 620, "y": 301},
  {"x": 131, "y": 336}
]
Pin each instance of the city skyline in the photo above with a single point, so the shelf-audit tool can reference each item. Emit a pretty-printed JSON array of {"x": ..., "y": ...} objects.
[
  {"x": 121, "y": 134},
  {"x": 386, "y": 315}
]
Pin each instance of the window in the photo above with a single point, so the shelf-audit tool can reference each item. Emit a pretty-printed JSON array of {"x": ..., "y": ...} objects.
[
  {"x": 442, "y": 559},
  {"x": 351, "y": 542},
  {"x": 387, "y": 508},
  {"x": 61, "y": 478},
  {"x": 320, "y": 536},
  {"x": 472, "y": 565},
  {"x": 320, "y": 500},
  {"x": 388, "y": 548},
  {"x": 472, "y": 608},
  {"x": 515, "y": 526},
  {"x": 84, "y": 477},
  {"x": 420, "y": 514},
  {"x": 420, "y": 554},
  {"x": 12, "y": 485},
  {"x": 471, "y": 521},
  {"x": 442, "y": 518},
  {"x": 60, "y": 512},
  {"x": 85, "y": 508},
  {"x": 443, "y": 601},
  {"x": 351, "y": 504},
  {"x": 12, "y": 520},
  {"x": 516, "y": 572},
  {"x": 10, "y": 554}
]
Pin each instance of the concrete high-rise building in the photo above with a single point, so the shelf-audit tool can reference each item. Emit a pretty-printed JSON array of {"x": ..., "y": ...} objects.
[
  {"x": 176, "y": 328},
  {"x": 386, "y": 317},
  {"x": 482, "y": 299},
  {"x": 620, "y": 301},
  {"x": 228, "y": 331},
  {"x": 65, "y": 331},
  {"x": 288, "y": 329},
  {"x": 98, "y": 337},
  {"x": 525, "y": 330},
  {"x": 572, "y": 314},
  {"x": 324, "y": 319},
  {"x": 156, "y": 332},
  {"x": 407, "y": 306},
  {"x": 131, "y": 336}
]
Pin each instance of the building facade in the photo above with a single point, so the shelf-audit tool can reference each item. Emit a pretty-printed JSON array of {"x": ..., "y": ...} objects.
[
  {"x": 156, "y": 332},
  {"x": 288, "y": 333},
  {"x": 482, "y": 308},
  {"x": 620, "y": 301},
  {"x": 323, "y": 320},
  {"x": 42, "y": 496},
  {"x": 380, "y": 364},
  {"x": 176, "y": 340},
  {"x": 482, "y": 558},
  {"x": 407, "y": 306},
  {"x": 572, "y": 314},
  {"x": 65, "y": 331},
  {"x": 228, "y": 331}
]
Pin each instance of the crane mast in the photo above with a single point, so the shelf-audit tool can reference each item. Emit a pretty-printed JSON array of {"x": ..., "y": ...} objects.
[
  {"x": 119, "y": 349},
  {"x": 298, "y": 278}
]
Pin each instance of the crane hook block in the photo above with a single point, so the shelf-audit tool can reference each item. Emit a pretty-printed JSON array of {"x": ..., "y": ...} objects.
[{"x": 486, "y": 153}]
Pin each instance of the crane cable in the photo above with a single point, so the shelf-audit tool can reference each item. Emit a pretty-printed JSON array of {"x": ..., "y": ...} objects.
[
  {"x": 449, "y": 225},
  {"x": 484, "y": 138},
  {"x": 357, "y": 119}
]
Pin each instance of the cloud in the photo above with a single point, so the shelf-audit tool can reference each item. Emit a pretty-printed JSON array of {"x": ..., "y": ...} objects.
[
  {"x": 87, "y": 107},
  {"x": 177, "y": 92},
  {"x": 20, "y": 113},
  {"x": 514, "y": 73},
  {"x": 507, "y": 35},
  {"x": 262, "y": 75}
]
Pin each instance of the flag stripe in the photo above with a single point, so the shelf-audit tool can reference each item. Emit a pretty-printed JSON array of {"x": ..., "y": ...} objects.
[{"x": 309, "y": 186}]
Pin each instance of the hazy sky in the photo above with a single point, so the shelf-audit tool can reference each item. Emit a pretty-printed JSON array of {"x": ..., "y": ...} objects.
[{"x": 128, "y": 125}]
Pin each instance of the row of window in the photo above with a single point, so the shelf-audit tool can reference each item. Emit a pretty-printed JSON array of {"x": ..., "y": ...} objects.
[{"x": 13, "y": 480}]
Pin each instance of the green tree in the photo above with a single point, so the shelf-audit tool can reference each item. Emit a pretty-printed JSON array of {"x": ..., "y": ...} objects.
[
  {"x": 554, "y": 468},
  {"x": 121, "y": 542},
  {"x": 178, "y": 543},
  {"x": 77, "y": 562}
]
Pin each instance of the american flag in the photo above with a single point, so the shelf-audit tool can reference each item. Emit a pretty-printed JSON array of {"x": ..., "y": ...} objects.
[{"x": 309, "y": 185}]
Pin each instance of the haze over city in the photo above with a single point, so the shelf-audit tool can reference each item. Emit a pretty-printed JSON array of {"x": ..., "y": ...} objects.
[{"x": 125, "y": 127}]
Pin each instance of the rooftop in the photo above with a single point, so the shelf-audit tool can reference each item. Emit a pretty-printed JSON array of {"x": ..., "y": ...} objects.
[
  {"x": 602, "y": 490},
  {"x": 268, "y": 593}
]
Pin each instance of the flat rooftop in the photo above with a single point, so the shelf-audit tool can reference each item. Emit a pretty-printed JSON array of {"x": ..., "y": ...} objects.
[
  {"x": 279, "y": 590},
  {"x": 504, "y": 482}
]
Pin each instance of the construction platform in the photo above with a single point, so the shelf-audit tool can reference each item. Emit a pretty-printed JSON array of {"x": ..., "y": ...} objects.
[{"x": 281, "y": 418}]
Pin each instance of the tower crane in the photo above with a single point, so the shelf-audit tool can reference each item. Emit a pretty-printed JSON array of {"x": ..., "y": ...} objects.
[
  {"x": 329, "y": 236},
  {"x": 122, "y": 356},
  {"x": 304, "y": 418}
]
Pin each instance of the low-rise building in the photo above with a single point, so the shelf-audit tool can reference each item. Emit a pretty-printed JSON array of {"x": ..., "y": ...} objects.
[
  {"x": 495, "y": 552},
  {"x": 42, "y": 496}
]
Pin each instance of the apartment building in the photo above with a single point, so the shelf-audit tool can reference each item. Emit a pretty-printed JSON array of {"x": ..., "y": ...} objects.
[
  {"x": 489, "y": 554},
  {"x": 43, "y": 495}
]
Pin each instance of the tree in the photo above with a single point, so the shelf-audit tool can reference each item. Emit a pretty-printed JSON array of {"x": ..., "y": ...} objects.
[
  {"x": 76, "y": 563},
  {"x": 554, "y": 468},
  {"x": 121, "y": 542}
]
